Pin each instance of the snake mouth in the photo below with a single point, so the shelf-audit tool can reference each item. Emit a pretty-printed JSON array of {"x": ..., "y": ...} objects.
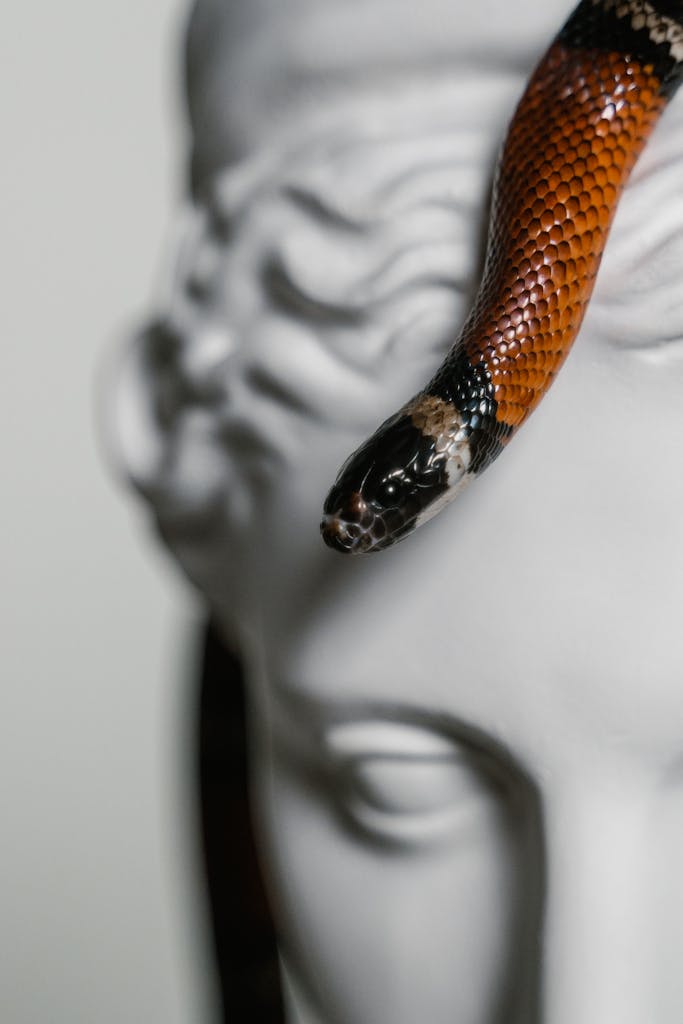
[
  {"x": 354, "y": 527},
  {"x": 357, "y": 527},
  {"x": 339, "y": 535}
]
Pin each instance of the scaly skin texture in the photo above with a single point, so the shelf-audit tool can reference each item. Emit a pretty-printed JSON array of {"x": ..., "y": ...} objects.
[
  {"x": 563, "y": 169},
  {"x": 580, "y": 126}
]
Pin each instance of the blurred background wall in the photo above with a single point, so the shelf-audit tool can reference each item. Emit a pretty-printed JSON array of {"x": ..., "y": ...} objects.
[{"x": 102, "y": 913}]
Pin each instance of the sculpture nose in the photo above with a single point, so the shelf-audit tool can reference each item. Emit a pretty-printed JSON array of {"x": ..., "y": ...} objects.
[{"x": 203, "y": 362}]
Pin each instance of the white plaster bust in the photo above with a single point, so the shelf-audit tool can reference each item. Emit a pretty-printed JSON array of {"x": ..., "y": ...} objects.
[{"x": 468, "y": 750}]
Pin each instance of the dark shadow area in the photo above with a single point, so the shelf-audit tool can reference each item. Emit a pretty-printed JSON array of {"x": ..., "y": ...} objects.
[{"x": 244, "y": 938}]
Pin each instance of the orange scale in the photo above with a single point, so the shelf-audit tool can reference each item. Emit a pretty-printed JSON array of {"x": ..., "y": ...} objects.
[
  {"x": 625, "y": 140},
  {"x": 536, "y": 259},
  {"x": 556, "y": 234},
  {"x": 602, "y": 129},
  {"x": 567, "y": 318},
  {"x": 581, "y": 267},
  {"x": 580, "y": 229},
  {"x": 550, "y": 254},
  {"x": 574, "y": 246},
  {"x": 609, "y": 191},
  {"x": 530, "y": 250},
  {"x": 517, "y": 286},
  {"x": 592, "y": 218},
  {"x": 547, "y": 220},
  {"x": 563, "y": 248},
  {"x": 572, "y": 204}
]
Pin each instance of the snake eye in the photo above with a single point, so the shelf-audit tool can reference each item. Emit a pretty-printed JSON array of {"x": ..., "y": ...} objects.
[{"x": 391, "y": 492}]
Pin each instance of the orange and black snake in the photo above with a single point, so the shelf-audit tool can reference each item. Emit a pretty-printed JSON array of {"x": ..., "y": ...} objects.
[{"x": 584, "y": 118}]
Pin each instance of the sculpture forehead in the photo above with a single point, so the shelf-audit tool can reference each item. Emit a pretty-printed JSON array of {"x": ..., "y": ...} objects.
[{"x": 251, "y": 64}]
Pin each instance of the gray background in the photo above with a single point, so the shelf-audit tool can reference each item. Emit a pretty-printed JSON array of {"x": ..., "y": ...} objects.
[{"x": 101, "y": 909}]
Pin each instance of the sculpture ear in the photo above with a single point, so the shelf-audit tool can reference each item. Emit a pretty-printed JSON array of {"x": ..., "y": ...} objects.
[{"x": 130, "y": 426}]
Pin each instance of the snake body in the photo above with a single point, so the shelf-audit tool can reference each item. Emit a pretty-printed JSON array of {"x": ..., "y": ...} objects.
[{"x": 584, "y": 118}]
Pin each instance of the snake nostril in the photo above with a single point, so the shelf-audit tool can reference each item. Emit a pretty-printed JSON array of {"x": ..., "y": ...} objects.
[{"x": 338, "y": 534}]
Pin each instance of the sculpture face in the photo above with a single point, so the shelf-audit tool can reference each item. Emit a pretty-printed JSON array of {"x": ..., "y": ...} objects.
[{"x": 470, "y": 747}]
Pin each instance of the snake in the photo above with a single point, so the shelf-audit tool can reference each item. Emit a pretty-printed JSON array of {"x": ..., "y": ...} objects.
[{"x": 584, "y": 118}]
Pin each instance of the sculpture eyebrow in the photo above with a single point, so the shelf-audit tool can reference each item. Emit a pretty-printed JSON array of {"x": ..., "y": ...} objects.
[
  {"x": 322, "y": 210},
  {"x": 290, "y": 296}
]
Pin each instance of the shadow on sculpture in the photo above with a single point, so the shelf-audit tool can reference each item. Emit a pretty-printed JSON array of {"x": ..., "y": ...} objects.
[{"x": 244, "y": 936}]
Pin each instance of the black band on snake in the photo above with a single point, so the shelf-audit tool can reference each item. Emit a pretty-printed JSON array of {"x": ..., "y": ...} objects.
[{"x": 584, "y": 118}]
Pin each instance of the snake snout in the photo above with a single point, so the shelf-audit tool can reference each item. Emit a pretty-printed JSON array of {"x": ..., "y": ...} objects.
[
  {"x": 337, "y": 534},
  {"x": 348, "y": 528}
]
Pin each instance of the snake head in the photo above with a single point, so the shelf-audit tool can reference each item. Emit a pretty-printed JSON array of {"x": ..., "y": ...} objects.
[{"x": 394, "y": 481}]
